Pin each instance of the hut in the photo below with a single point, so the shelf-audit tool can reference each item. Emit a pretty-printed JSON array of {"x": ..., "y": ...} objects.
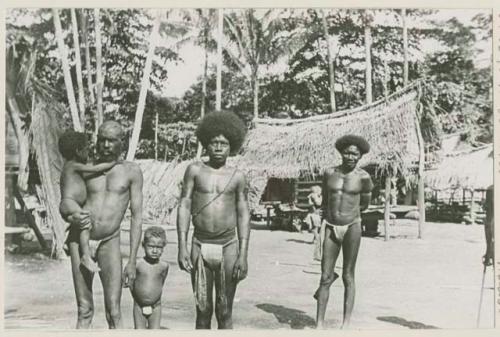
[
  {"x": 287, "y": 149},
  {"x": 458, "y": 182},
  {"x": 278, "y": 148}
]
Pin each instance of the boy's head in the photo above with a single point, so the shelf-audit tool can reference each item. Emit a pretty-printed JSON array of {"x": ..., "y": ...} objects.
[
  {"x": 154, "y": 242},
  {"x": 73, "y": 146},
  {"x": 315, "y": 189},
  {"x": 225, "y": 124}
]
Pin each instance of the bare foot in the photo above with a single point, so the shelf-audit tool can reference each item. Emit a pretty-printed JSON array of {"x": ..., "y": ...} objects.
[
  {"x": 335, "y": 276},
  {"x": 320, "y": 326},
  {"x": 89, "y": 264}
]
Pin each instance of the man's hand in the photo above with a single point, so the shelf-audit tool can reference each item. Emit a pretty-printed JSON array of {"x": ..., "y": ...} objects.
[
  {"x": 80, "y": 220},
  {"x": 184, "y": 260},
  {"x": 487, "y": 259},
  {"x": 240, "y": 269},
  {"x": 128, "y": 276}
]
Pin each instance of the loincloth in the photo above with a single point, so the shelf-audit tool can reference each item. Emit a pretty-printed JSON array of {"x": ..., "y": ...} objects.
[
  {"x": 73, "y": 235},
  {"x": 210, "y": 255},
  {"x": 147, "y": 310},
  {"x": 339, "y": 231}
]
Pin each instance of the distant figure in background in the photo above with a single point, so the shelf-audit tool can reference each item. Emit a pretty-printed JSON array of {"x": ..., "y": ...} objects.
[
  {"x": 313, "y": 219},
  {"x": 489, "y": 227}
]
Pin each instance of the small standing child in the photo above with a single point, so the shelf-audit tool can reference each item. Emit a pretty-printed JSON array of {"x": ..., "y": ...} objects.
[
  {"x": 313, "y": 219},
  {"x": 150, "y": 278},
  {"x": 74, "y": 149}
]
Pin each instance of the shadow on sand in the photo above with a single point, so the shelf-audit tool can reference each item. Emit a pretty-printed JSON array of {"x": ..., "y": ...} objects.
[
  {"x": 309, "y": 242},
  {"x": 405, "y": 323},
  {"x": 297, "y": 319}
]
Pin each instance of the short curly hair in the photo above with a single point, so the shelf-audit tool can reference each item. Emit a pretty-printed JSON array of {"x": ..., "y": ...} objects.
[
  {"x": 223, "y": 123},
  {"x": 155, "y": 232},
  {"x": 348, "y": 140},
  {"x": 70, "y": 142}
]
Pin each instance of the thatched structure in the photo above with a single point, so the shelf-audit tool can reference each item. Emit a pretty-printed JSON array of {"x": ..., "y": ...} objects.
[
  {"x": 46, "y": 129},
  {"x": 285, "y": 148},
  {"x": 470, "y": 169}
]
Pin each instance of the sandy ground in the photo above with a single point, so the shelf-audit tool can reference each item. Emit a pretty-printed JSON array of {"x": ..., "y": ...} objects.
[{"x": 403, "y": 283}]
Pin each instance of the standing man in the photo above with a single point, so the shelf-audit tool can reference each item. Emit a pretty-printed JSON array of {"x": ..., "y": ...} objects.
[
  {"x": 108, "y": 196},
  {"x": 489, "y": 227},
  {"x": 346, "y": 192},
  {"x": 214, "y": 198}
]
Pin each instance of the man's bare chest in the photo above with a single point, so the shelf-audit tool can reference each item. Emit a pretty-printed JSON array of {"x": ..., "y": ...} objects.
[
  {"x": 339, "y": 182},
  {"x": 115, "y": 181},
  {"x": 215, "y": 182}
]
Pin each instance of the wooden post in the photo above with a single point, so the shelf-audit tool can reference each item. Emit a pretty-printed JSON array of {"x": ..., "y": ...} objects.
[
  {"x": 405, "y": 48},
  {"x": 156, "y": 135},
  {"x": 472, "y": 214},
  {"x": 421, "y": 176},
  {"x": 387, "y": 208}
]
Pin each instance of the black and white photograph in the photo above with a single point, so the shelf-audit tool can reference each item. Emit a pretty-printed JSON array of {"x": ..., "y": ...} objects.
[{"x": 249, "y": 168}]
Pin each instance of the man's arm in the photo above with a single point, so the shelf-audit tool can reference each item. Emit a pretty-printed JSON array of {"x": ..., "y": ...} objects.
[
  {"x": 184, "y": 217},
  {"x": 243, "y": 226},
  {"x": 135, "y": 223},
  {"x": 88, "y": 168},
  {"x": 366, "y": 191},
  {"x": 324, "y": 187},
  {"x": 489, "y": 225}
]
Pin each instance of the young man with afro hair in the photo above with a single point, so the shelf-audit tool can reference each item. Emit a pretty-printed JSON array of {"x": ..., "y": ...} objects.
[
  {"x": 346, "y": 192},
  {"x": 214, "y": 198}
]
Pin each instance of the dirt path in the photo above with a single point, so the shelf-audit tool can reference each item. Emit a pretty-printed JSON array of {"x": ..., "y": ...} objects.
[{"x": 404, "y": 283}]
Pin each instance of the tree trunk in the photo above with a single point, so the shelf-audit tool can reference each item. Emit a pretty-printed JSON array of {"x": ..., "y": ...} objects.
[
  {"x": 387, "y": 206},
  {"x": 368, "y": 61},
  {"x": 255, "y": 77},
  {"x": 331, "y": 69},
  {"x": 203, "y": 84},
  {"x": 156, "y": 135},
  {"x": 405, "y": 48},
  {"x": 153, "y": 40},
  {"x": 386, "y": 78},
  {"x": 99, "y": 73},
  {"x": 78, "y": 64},
  {"x": 87, "y": 56},
  {"x": 14, "y": 114},
  {"x": 220, "y": 27},
  {"x": 67, "y": 76}
]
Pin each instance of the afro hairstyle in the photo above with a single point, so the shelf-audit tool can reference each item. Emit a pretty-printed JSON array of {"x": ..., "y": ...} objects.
[
  {"x": 348, "y": 140},
  {"x": 70, "y": 142},
  {"x": 155, "y": 232},
  {"x": 223, "y": 123}
]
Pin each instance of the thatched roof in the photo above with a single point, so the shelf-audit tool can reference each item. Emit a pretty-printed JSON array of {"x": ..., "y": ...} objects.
[
  {"x": 285, "y": 148},
  {"x": 469, "y": 169}
]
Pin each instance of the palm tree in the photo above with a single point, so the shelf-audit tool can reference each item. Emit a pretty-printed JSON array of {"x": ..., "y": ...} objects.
[
  {"x": 153, "y": 41},
  {"x": 99, "y": 72},
  {"x": 367, "y": 20},
  {"x": 253, "y": 41},
  {"x": 78, "y": 65},
  {"x": 63, "y": 53},
  {"x": 331, "y": 69}
]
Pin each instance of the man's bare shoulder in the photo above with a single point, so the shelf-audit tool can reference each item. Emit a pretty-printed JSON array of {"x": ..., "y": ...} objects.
[
  {"x": 239, "y": 175},
  {"x": 133, "y": 168},
  {"x": 330, "y": 170},
  {"x": 193, "y": 168},
  {"x": 362, "y": 173}
]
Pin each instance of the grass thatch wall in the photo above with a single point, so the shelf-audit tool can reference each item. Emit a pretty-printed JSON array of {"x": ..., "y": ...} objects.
[
  {"x": 284, "y": 148},
  {"x": 470, "y": 169}
]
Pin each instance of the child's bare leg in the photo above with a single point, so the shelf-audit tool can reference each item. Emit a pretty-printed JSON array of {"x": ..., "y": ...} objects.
[
  {"x": 70, "y": 206},
  {"x": 139, "y": 319},
  {"x": 87, "y": 260},
  {"x": 155, "y": 318}
]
